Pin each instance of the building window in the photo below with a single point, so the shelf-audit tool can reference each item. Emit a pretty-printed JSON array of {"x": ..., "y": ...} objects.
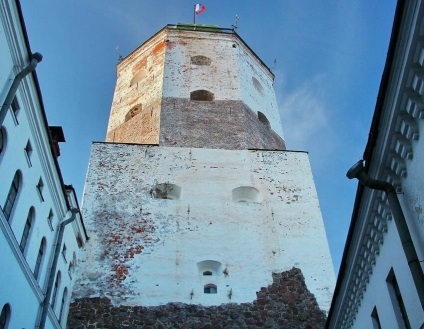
[
  {"x": 71, "y": 269},
  {"x": 210, "y": 289},
  {"x": 5, "y": 317},
  {"x": 201, "y": 60},
  {"x": 12, "y": 195},
  {"x": 262, "y": 118},
  {"x": 166, "y": 191},
  {"x": 40, "y": 256},
  {"x": 62, "y": 305},
  {"x": 133, "y": 112},
  {"x": 55, "y": 289},
  {"x": 40, "y": 187},
  {"x": 202, "y": 95},
  {"x": 375, "y": 319},
  {"x": 27, "y": 229},
  {"x": 64, "y": 252},
  {"x": 15, "y": 109},
  {"x": 246, "y": 194},
  {"x": 397, "y": 301},
  {"x": 28, "y": 152},
  {"x": 207, "y": 272},
  {"x": 3, "y": 140},
  {"x": 50, "y": 220}
]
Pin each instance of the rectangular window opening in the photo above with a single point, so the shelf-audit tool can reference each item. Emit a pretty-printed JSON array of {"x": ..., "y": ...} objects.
[
  {"x": 28, "y": 153},
  {"x": 15, "y": 110},
  {"x": 64, "y": 252},
  {"x": 397, "y": 301},
  {"x": 40, "y": 187},
  {"x": 50, "y": 220},
  {"x": 375, "y": 319},
  {"x": 25, "y": 234},
  {"x": 11, "y": 198}
]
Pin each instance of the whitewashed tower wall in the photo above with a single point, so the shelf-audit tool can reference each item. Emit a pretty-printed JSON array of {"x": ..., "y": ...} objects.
[{"x": 212, "y": 204}]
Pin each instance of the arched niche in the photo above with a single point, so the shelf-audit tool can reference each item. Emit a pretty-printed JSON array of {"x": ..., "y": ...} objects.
[
  {"x": 138, "y": 77},
  {"x": 166, "y": 191},
  {"x": 257, "y": 85},
  {"x": 262, "y": 118},
  {"x": 246, "y": 194},
  {"x": 200, "y": 60},
  {"x": 202, "y": 95},
  {"x": 209, "y": 267},
  {"x": 133, "y": 112}
]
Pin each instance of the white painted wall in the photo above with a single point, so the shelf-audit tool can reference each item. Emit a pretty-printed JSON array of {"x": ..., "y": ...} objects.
[
  {"x": 258, "y": 99},
  {"x": 391, "y": 256},
  {"x": 229, "y": 76},
  {"x": 397, "y": 157},
  {"x": 221, "y": 77},
  {"x": 18, "y": 287},
  {"x": 251, "y": 240}
]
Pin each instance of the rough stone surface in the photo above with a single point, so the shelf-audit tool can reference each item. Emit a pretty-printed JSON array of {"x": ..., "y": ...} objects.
[{"x": 286, "y": 303}]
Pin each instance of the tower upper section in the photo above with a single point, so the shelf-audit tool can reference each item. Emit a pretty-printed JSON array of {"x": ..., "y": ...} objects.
[{"x": 195, "y": 86}]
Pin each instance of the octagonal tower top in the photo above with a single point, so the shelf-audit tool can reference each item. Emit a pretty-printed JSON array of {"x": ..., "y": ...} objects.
[{"x": 195, "y": 86}]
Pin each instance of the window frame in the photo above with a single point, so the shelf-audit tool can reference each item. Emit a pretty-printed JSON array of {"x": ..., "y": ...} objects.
[
  {"x": 29, "y": 224},
  {"x": 15, "y": 109},
  {"x": 210, "y": 289},
  {"x": 40, "y": 258},
  {"x": 40, "y": 188},
  {"x": 28, "y": 152},
  {"x": 3, "y": 141},
  {"x": 63, "y": 252},
  {"x": 5, "y": 316},
  {"x": 50, "y": 218},
  {"x": 397, "y": 300},
  {"x": 13, "y": 194},
  {"x": 55, "y": 289},
  {"x": 62, "y": 305}
]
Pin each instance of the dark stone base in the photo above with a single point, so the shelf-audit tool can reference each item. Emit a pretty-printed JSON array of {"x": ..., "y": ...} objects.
[{"x": 286, "y": 303}]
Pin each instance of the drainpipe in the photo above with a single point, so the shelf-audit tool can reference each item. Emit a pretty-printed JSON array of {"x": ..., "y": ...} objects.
[
  {"x": 357, "y": 171},
  {"x": 35, "y": 59},
  {"x": 47, "y": 296}
]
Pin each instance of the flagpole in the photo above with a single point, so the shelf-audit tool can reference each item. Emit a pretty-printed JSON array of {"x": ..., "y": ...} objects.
[{"x": 194, "y": 15}]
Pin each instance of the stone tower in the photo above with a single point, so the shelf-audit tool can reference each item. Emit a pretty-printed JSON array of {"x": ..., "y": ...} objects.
[{"x": 193, "y": 197}]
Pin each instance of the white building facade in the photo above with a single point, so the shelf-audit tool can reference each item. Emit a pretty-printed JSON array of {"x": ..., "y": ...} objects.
[
  {"x": 193, "y": 197},
  {"x": 381, "y": 280},
  {"x": 41, "y": 230}
]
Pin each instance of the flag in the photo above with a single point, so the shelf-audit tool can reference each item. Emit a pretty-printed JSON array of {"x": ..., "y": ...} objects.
[{"x": 199, "y": 8}]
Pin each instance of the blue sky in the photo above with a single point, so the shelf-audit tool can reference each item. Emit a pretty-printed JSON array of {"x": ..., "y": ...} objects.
[{"x": 329, "y": 60}]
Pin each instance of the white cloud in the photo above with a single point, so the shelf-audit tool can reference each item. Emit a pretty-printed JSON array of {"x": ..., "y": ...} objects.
[{"x": 304, "y": 115}]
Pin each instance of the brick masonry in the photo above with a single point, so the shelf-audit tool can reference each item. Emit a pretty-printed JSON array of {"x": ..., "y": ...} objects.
[
  {"x": 286, "y": 303},
  {"x": 214, "y": 124}
]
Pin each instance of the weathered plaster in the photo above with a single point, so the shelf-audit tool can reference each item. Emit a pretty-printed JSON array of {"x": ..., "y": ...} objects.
[
  {"x": 159, "y": 76},
  {"x": 144, "y": 251}
]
